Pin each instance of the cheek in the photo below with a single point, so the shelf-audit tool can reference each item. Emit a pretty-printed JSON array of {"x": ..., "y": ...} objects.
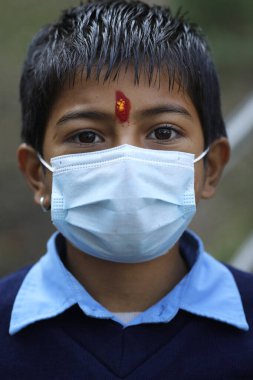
[
  {"x": 48, "y": 183},
  {"x": 199, "y": 180}
]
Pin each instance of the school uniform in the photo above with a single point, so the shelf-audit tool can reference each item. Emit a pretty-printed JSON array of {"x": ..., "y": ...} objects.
[{"x": 51, "y": 328}]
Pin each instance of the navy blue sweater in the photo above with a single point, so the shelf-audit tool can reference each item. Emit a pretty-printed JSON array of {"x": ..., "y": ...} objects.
[{"x": 72, "y": 346}]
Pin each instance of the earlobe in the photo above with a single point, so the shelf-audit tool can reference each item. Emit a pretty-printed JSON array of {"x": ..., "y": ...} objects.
[
  {"x": 32, "y": 170},
  {"x": 216, "y": 160}
]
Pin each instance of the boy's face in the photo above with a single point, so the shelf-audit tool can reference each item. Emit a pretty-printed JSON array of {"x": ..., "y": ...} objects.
[{"x": 91, "y": 116}]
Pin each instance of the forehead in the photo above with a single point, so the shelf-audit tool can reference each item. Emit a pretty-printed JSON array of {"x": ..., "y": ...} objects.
[{"x": 99, "y": 93}]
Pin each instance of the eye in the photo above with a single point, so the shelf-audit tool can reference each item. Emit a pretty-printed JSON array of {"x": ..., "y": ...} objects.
[
  {"x": 86, "y": 137},
  {"x": 165, "y": 132}
]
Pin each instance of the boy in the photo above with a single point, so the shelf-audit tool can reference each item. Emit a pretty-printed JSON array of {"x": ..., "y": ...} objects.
[{"x": 122, "y": 136}]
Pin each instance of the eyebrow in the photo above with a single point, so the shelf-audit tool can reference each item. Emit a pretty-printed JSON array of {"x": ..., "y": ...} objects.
[
  {"x": 170, "y": 108},
  {"x": 91, "y": 115},
  {"x": 103, "y": 116}
]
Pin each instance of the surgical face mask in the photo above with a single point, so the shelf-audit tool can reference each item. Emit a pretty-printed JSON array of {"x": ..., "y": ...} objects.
[{"x": 125, "y": 204}]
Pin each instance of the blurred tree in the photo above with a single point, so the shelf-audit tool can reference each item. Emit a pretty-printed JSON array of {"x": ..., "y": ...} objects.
[{"x": 229, "y": 27}]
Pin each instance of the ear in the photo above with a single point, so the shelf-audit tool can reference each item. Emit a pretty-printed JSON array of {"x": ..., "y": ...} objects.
[
  {"x": 33, "y": 172},
  {"x": 217, "y": 157}
]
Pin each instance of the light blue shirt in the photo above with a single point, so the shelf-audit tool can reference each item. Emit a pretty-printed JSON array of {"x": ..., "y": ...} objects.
[{"x": 207, "y": 290}]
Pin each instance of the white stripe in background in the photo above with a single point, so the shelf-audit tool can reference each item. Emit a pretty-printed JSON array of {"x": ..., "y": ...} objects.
[
  {"x": 244, "y": 257},
  {"x": 239, "y": 127},
  {"x": 241, "y": 124}
]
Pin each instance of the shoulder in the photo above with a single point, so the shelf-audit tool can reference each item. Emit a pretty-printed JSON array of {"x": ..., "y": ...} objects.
[
  {"x": 14, "y": 278},
  {"x": 9, "y": 287},
  {"x": 244, "y": 282}
]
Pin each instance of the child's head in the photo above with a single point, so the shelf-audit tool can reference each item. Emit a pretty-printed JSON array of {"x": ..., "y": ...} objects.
[
  {"x": 103, "y": 39},
  {"x": 115, "y": 73}
]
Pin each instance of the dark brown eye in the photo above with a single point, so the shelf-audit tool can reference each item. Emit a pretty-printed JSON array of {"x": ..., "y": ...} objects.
[
  {"x": 86, "y": 137},
  {"x": 163, "y": 133}
]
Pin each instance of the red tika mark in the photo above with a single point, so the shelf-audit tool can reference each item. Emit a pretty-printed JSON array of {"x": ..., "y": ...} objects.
[{"x": 122, "y": 107}]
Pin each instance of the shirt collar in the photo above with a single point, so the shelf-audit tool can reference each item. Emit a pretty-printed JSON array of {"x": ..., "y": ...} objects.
[{"x": 208, "y": 290}]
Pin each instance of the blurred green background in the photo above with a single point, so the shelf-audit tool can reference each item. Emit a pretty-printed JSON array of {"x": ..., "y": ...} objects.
[{"x": 224, "y": 222}]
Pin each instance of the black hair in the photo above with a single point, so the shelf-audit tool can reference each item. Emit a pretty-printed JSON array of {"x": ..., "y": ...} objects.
[{"x": 110, "y": 35}]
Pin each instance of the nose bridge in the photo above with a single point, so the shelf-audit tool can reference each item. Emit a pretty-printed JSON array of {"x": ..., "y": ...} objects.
[{"x": 127, "y": 133}]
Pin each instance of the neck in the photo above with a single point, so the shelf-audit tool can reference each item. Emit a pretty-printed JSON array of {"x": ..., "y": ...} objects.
[{"x": 126, "y": 287}]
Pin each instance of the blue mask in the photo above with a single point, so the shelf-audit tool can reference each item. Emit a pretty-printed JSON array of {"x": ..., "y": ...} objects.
[{"x": 125, "y": 204}]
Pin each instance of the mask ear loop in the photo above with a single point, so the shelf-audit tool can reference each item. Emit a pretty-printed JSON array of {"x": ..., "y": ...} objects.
[
  {"x": 203, "y": 154},
  {"x": 42, "y": 199},
  {"x": 44, "y": 163}
]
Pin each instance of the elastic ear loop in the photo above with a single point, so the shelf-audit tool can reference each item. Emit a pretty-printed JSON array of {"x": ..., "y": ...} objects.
[
  {"x": 203, "y": 154},
  {"x": 49, "y": 167},
  {"x": 42, "y": 199}
]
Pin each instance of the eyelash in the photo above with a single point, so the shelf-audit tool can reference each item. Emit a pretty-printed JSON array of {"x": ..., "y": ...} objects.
[
  {"x": 165, "y": 127},
  {"x": 162, "y": 129},
  {"x": 77, "y": 135}
]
